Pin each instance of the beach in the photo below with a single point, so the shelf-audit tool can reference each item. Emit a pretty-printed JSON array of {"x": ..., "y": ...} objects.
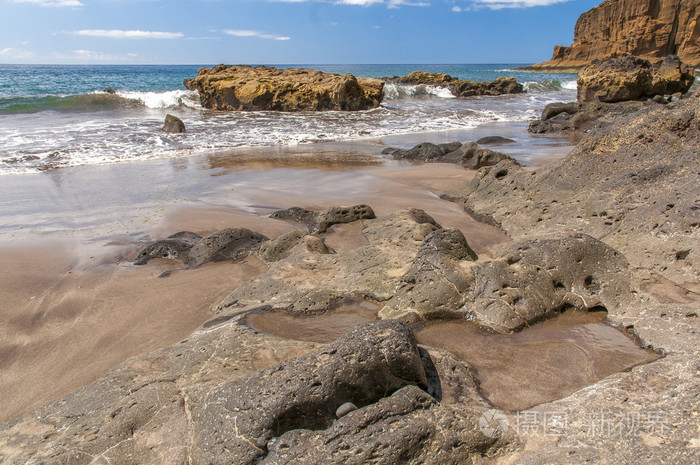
[
  {"x": 315, "y": 278},
  {"x": 75, "y": 306}
]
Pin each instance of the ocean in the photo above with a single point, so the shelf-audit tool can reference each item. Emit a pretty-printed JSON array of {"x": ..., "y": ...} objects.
[{"x": 54, "y": 116}]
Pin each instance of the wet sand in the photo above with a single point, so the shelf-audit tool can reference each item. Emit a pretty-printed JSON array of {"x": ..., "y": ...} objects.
[{"x": 74, "y": 307}]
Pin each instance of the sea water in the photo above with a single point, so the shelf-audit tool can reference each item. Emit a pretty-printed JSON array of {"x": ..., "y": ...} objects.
[{"x": 58, "y": 115}]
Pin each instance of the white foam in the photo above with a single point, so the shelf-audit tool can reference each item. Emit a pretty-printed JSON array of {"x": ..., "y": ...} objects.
[
  {"x": 168, "y": 99},
  {"x": 569, "y": 85},
  {"x": 394, "y": 91}
]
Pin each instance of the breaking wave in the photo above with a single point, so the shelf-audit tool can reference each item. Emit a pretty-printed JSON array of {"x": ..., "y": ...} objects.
[{"x": 100, "y": 101}]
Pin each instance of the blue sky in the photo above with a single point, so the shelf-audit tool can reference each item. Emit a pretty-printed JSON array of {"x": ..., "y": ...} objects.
[{"x": 285, "y": 31}]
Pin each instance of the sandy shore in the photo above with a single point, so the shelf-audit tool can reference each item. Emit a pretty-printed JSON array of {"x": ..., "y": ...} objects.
[{"x": 74, "y": 307}]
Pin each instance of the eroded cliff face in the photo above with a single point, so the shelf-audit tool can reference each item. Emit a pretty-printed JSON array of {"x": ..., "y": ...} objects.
[{"x": 651, "y": 29}]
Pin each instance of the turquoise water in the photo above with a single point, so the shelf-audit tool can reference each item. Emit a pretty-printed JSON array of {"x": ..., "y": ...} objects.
[{"x": 56, "y": 115}]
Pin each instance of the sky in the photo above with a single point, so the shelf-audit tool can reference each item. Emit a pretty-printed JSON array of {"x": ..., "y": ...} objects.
[{"x": 285, "y": 31}]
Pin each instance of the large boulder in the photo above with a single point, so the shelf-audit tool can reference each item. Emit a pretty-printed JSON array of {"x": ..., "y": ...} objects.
[
  {"x": 266, "y": 88},
  {"x": 630, "y": 78}
]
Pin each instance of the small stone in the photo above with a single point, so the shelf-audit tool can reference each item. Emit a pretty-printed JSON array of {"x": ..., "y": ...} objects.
[{"x": 344, "y": 409}]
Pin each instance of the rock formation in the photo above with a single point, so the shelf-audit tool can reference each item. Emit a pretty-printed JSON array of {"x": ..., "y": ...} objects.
[
  {"x": 265, "y": 88},
  {"x": 462, "y": 88},
  {"x": 468, "y": 154},
  {"x": 613, "y": 87},
  {"x": 633, "y": 185},
  {"x": 650, "y": 29},
  {"x": 630, "y": 78}
]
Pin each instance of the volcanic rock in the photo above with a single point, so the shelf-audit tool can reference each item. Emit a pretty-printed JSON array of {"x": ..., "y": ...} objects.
[
  {"x": 644, "y": 28},
  {"x": 265, "y": 88},
  {"x": 283, "y": 246},
  {"x": 369, "y": 363},
  {"x": 527, "y": 281},
  {"x": 632, "y": 182}
]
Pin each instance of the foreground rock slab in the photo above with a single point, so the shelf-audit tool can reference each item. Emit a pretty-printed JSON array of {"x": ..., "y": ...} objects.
[{"x": 266, "y": 88}]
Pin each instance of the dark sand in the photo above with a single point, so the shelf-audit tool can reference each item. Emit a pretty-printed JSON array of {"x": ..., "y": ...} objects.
[{"x": 71, "y": 304}]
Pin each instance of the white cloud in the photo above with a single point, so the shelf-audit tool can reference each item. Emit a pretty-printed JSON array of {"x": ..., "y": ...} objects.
[
  {"x": 501, "y": 4},
  {"x": 15, "y": 53},
  {"x": 89, "y": 55},
  {"x": 120, "y": 34},
  {"x": 398, "y": 3},
  {"x": 52, "y": 3},
  {"x": 249, "y": 33},
  {"x": 388, "y": 3}
]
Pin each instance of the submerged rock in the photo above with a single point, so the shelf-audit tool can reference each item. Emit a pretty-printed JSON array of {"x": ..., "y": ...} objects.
[
  {"x": 173, "y": 124},
  {"x": 266, "y": 88}
]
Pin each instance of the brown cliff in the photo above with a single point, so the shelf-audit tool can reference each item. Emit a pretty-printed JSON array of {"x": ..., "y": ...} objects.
[{"x": 650, "y": 29}]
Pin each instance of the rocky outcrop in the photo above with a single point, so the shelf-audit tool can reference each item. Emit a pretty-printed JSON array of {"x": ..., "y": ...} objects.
[
  {"x": 468, "y": 154},
  {"x": 527, "y": 281},
  {"x": 461, "y": 88},
  {"x": 266, "y": 88},
  {"x": 633, "y": 183},
  {"x": 631, "y": 78},
  {"x": 650, "y": 29}
]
